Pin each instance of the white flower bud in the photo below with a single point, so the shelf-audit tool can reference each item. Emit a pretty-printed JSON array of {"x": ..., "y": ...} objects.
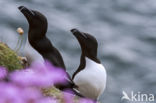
[{"x": 20, "y": 31}]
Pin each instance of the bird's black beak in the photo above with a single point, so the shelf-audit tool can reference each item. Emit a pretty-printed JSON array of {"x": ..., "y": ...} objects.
[
  {"x": 79, "y": 35},
  {"x": 26, "y": 12}
]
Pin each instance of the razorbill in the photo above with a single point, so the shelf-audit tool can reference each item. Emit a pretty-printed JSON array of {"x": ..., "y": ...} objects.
[
  {"x": 90, "y": 77},
  {"x": 37, "y": 38}
]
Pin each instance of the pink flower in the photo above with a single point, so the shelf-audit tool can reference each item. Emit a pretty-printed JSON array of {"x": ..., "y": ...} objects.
[
  {"x": 3, "y": 73},
  {"x": 68, "y": 96},
  {"x": 10, "y": 93},
  {"x": 39, "y": 75},
  {"x": 33, "y": 95},
  {"x": 47, "y": 100},
  {"x": 24, "y": 85},
  {"x": 85, "y": 100}
]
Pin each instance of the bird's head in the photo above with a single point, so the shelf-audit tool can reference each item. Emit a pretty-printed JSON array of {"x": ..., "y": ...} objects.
[
  {"x": 87, "y": 42},
  {"x": 37, "y": 21}
]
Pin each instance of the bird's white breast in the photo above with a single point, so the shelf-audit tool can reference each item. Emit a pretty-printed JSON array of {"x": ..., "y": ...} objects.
[{"x": 91, "y": 81}]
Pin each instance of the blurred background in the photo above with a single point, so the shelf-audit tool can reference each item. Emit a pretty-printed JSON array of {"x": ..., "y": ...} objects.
[{"x": 125, "y": 30}]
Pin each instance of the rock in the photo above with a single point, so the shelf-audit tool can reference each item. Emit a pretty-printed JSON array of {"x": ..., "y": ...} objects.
[{"x": 59, "y": 95}]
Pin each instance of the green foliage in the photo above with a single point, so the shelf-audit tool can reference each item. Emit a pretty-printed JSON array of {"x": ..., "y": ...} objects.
[{"x": 8, "y": 58}]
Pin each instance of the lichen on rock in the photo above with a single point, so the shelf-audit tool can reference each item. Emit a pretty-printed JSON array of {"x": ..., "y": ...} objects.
[
  {"x": 59, "y": 95},
  {"x": 9, "y": 58}
]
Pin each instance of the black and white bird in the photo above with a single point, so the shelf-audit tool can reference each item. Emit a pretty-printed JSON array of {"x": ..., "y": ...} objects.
[
  {"x": 90, "y": 77},
  {"x": 39, "y": 42},
  {"x": 37, "y": 37}
]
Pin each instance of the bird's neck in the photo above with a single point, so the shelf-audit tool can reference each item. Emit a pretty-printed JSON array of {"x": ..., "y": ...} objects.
[
  {"x": 35, "y": 34},
  {"x": 93, "y": 58},
  {"x": 83, "y": 63},
  {"x": 43, "y": 45}
]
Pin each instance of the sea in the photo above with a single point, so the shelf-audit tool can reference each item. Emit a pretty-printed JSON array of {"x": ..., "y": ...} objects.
[{"x": 125, "y": 31}]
